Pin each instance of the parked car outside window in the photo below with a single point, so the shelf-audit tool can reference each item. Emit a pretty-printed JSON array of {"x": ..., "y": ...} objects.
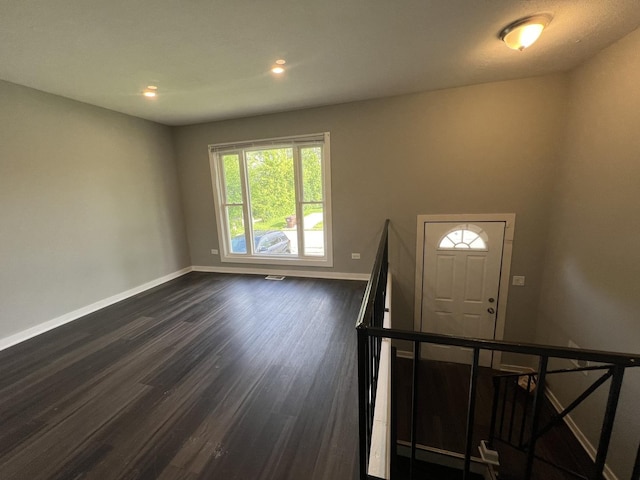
[{"x": 265, "y": 243}]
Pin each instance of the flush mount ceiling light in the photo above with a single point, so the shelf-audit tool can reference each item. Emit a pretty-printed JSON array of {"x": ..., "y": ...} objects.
[
  {"x": 524, "y": 32},
  {"x": 151, "y": 91},
  {"x": 278, "y": 68}
]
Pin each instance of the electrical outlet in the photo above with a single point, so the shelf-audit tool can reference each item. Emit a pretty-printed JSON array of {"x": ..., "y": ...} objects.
[
  {"x": 518, "y": 280},
  {"x": 214, "y": 251},
  {"x": 355, "y": 256}
]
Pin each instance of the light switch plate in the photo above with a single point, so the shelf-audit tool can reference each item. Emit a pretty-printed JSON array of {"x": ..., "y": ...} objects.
[{"x": 518, "y": 280}]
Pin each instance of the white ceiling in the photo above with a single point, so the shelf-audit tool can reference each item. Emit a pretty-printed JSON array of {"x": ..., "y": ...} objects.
[{"x": 211, "y": 58}]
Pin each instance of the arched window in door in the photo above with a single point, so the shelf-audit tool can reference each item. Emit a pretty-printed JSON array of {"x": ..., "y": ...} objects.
[{"x": 464, "y": 237}]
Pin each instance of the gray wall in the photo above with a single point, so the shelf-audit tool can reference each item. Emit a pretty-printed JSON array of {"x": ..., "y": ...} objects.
[
  {"x": 90, "y": 200},
  {"x": 591, "y": 282},
  {"x": 489, "y": 148},
  {"x": 89, "y": 206}
]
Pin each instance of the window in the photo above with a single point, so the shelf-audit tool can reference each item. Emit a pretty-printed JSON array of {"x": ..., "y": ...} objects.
[
  {"x": 273, "y": 200},
  {"x": 468, "y": 236}
]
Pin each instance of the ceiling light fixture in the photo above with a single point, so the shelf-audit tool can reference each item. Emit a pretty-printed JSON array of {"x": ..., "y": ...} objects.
[
  {"x": 278, "y": 68},
  {"x": 524, "y": 32},
  {"x": 151, "y": 91}
]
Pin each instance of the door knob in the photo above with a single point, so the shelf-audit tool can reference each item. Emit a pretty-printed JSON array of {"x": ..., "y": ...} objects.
[{"x": 491, "y": 310}]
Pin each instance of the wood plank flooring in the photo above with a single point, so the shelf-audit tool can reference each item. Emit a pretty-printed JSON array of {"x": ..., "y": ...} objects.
[{"x": 209, "y": 376}]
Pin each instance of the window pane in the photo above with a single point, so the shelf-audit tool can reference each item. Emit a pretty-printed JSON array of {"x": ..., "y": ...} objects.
[
  {"x": 273, "y": 242},
  {"x": 478, "y": 244},
  {"x": 311, "y": 159},
  {"x": 233, "y": 189},
  {"x": 313, "y": 225},
  {"x": 291, "y": 230},
  {"x": 468, "y": 236},
  {"x": 236, "y": 229},
  {"x": 455, "y": 237},
  {"x": 446, "y": 243},
  {"x": 272, "y": 196}
]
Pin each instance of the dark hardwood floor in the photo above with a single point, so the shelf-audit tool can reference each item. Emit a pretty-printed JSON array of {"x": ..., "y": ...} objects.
[{"x": 209, "y": 376}]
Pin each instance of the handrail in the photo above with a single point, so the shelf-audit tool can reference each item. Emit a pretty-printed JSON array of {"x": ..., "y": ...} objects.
[
  {"x": 560, "y": 370},
  {"x": 622, "y": 359},
  {"x": 368, "y": 300}
]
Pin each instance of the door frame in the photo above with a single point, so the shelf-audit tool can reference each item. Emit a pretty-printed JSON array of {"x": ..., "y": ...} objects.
[{"x": 503, "y": 290}]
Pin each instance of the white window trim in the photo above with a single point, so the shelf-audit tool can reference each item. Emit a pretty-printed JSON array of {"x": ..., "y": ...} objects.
[{"x": 218, "y": 189}]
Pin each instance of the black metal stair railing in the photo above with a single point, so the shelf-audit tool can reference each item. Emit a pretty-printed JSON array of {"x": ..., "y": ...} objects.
[
  {"x": 371, "y": 315},
  {"x": 512, "y": 410},
  {"x": 526, "y": 426}
]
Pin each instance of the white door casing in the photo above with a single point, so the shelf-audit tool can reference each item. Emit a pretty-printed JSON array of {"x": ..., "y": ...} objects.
[{"x": 458, "y": 290}]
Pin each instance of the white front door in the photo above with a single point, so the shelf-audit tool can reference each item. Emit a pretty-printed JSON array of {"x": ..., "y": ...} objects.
[{"x": 460, "y": 284}]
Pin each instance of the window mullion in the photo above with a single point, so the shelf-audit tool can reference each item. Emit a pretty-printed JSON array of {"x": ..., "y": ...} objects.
[
  {"x": 326, "y": 198},
  {"x": 297, "y": 172},
  {"x": 246, "y": 207}
]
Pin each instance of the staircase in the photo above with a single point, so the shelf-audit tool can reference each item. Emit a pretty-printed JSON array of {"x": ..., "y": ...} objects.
[{"x": 518, "y": 420}]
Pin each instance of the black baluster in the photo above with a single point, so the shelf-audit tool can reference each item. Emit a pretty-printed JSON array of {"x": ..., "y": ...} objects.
[
  {"x": 537, "y": 406},
  {"x": 414, "y": 407},
  {"x": 363, "y": 361},
  {"x": 636, "y": 469},
  {"x": 609, "y": 417},
  {"x": 393, "y": 421},
  {"x": 471, "y": 409},
  {"x": 494, "y": 409}
]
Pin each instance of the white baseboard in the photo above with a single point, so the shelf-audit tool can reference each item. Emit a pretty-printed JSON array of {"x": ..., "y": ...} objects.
[
  {"x": 404, "y": 354},
  {"x": 516, "y": 368},
  {"x": 584, "y": 441},
  {"x": 284, "y": 272},
  {"x": 81, "y": 312},
  {"x": 503, "y": 367}
]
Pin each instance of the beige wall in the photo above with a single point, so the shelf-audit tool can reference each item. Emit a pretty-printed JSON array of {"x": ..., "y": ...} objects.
[
  {"x": 591, "y": 282},
  {"x": 89, "y": 206},
  {"x": 489, "y": 148}
]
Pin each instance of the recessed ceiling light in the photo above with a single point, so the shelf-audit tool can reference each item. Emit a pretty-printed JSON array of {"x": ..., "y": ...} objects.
[
  {"x": 278, "y": 66},
  {"x": 524, "y": 32},
  {"x": 150, "y": 91}
]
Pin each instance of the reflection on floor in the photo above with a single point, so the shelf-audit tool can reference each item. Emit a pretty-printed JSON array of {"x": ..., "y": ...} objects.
[{"x": 209, "y": 376}]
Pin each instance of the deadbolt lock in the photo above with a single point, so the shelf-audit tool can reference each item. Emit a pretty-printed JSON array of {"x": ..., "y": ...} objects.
[{"x": 491, "y": 300}]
